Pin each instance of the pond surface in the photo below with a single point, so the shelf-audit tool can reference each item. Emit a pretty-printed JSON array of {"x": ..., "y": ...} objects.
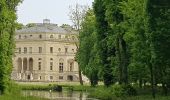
[{"x": 64, "y": 95}]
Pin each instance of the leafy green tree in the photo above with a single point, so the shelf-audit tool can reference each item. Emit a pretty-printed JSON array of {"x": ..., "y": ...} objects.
[
  {"x": 135, "y": 14},
  {"x": 87, "y": 51},
  {"x": 7, "y": 29},
  {"x": 116, "y": 41},
  {"x": 102, "y": 29},
  {"x": 158, "y": 29}
]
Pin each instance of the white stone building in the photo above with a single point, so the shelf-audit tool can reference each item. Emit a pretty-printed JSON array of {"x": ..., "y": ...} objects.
[{"x": 45, "y": 52}]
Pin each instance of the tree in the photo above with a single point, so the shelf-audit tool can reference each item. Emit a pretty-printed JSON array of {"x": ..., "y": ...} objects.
[
  {"x": 115, "y": 20},
  {"x": 7, "y": 29},
  {"x": 87, "y": 54},
  {"x": 77, "y": 14},
  {"x": 102, "y": 30},
  {"x": 158, "y": 36}
]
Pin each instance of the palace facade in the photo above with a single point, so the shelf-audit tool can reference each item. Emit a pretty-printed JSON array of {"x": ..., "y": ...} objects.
[{"x": 45, "y": 52}]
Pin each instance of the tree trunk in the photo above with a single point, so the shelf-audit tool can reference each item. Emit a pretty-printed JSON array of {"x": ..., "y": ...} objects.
[
  {"x": 124, "y": 61},
  {"x": 119, "y": 59},
  {"x": 152, "y": 81},
  {"x": 140, "y": 83},
  {"x": 164, "y": 88},
  {"x": 80, "y": 76}
]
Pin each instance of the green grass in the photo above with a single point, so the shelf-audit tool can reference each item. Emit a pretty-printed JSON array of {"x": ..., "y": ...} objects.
[
  {"x": 15, "y": 94},
  {"x": 100, "y": 92}
]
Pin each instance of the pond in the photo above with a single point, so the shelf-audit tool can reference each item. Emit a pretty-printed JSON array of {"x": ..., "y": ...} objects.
[{"x": 64, "y": 95}]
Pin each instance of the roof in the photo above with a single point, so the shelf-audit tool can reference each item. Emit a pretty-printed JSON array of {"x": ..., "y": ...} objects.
[{"x": 44, "y": 28}]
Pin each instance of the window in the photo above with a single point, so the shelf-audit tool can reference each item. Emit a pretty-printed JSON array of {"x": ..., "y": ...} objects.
[
  {"x": 25, "y": 36},
  {"x": 19, "y": 36},
  {"x": 39, "y": 65},
  {"x": 60, "y": 77},
  {"x": 59, "y": 36},
  {"x": 51, "y": 65},
  {"x": 71, "y": 66},
  {"x": 30, "y": 35},
  {"x": 73, "y": 37},
  {"x": 51, "y": 58},
  {"x": 19, "y": 50},
  {"x": 59, "y": 49},
  {"x": 60, "y": 67},
  {"x": 73, "y": 50},
  {"x": 40, "y": 36},
  {"x": 51, "y": 49},
  {"x": 51, "y": 36},
  {"x": 30, "y": 50},
  {"x": 39, "y": 59},
  {"x": 51, "y": 77},
  {"x": 25, "y": 50},
  {"x": 40, "y": 77},
  {"x": 40, "y": 49},
  {"x": 66, "y": 50}
]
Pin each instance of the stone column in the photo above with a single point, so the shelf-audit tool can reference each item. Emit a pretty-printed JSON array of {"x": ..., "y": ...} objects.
[{"x": 22, "y": 66}]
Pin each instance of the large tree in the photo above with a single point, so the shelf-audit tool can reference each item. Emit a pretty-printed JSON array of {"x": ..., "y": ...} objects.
[
  {"x": 87, "y": 54},
  {"x": 7, "y": 29},
  {"x": 102, "y": 29},
  {"x": 77, "y": 14}
]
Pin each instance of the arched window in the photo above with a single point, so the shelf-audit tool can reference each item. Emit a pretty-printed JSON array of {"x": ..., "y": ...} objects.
[
  {"x": 25, "y": 64},
  {"x": 61, "y": 65},
  {"x": 19, "y": 64},
  {"x": 51, "y": 65},
  {"x": 59, "y": 49},
  {"x": 30, "y": 64},
  {"x": 40, "y": 36}
]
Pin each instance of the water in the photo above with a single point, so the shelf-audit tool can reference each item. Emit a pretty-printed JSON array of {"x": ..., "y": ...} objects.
[{"x": 65, "y": 95}]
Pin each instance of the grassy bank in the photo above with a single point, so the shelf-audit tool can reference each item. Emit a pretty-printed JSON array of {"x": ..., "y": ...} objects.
[
  {"x": 15, "y": 94},
  {"x": 101, "y": 92}
]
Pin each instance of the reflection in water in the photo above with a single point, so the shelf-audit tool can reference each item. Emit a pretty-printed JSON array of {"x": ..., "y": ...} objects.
[{"x": 65, "y": 95}]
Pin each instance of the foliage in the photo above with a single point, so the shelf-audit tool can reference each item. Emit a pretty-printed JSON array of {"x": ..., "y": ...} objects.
[{"x": 7, "y": 29}]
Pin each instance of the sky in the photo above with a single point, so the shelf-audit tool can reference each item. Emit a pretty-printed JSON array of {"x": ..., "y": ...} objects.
[{"x": 34, "y": 11}]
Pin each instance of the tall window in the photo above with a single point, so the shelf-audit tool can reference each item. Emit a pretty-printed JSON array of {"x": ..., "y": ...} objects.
[
  {"x": 51, "y": 49},
  {"x": 39, "y": 65},
  {"x": 59, "y": 49},
  {"x": 51, "y": 65},
  {"x": 51, "y": 36},
  {"x": 66, "y": 50},
  {"x": 19, "y": 36},
  {"x": 19, "y": 50},
  {"x": 60, "y": 67},
  {"x": 40, "y": 36},
  {"x": 25, "y": 50},
  {"x": 59, "y": 36},
  {"x": 71, "y": 66},
  {"x": 30, "y": 50},
  {"x": 40, "y": 49}
]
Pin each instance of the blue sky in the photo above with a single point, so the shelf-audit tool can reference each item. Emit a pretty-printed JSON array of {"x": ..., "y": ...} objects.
[{"x": 34, "y": 11}]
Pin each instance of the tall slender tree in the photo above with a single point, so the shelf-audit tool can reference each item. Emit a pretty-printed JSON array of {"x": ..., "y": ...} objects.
[
  {"x": 7, "y": 30},
  {"x": 102, "y": 29}
]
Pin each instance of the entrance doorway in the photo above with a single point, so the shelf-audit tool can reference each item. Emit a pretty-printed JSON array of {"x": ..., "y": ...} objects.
[{"x": 70, "y": 78}]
